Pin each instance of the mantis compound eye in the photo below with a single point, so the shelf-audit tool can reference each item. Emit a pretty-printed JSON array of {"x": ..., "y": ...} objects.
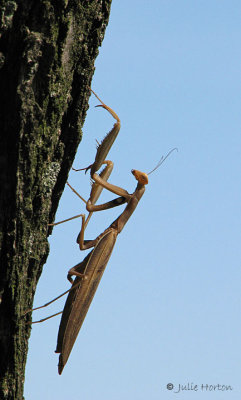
[{"x": 141, "y": 177}]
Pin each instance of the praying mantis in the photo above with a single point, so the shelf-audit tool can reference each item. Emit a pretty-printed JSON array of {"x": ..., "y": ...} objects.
[{"x": 88, "y": 273}]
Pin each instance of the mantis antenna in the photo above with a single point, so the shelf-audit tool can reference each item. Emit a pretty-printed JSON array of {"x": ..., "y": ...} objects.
[{"x": 162, "y": 160}]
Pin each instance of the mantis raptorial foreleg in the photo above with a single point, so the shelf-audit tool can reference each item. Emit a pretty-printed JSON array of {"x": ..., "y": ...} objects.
[
  {"x": 100, "y": 159},
  {"x": 101, "y": 154},
  {"x": 105, "y": 146}
]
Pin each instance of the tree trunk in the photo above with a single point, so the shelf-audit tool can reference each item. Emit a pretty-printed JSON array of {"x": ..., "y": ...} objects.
[{"x": 47, "y": 54}]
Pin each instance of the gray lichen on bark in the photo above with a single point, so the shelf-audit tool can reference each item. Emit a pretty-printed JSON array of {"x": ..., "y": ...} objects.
[{"x": 47, "y": 54}]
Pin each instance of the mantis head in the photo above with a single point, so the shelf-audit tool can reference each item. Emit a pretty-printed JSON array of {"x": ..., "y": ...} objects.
[{"x": 141, "y": 177}]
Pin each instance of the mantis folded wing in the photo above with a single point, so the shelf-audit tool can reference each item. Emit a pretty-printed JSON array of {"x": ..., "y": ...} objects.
[{"x": 80, "y": 298}]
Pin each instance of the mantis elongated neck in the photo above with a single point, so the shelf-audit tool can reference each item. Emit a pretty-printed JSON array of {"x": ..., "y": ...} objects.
[{"x": 120, "y": 222}]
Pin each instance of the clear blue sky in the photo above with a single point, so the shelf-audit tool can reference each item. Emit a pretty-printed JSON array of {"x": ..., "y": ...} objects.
[{"x": 168, "y": 307}]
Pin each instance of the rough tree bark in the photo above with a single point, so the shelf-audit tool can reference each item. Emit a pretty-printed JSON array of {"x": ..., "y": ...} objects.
[{"x": 47, "y": 54}]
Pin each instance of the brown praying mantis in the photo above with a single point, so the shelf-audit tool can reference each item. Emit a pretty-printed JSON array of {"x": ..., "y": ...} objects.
[{"x": 88, "y": 273}]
